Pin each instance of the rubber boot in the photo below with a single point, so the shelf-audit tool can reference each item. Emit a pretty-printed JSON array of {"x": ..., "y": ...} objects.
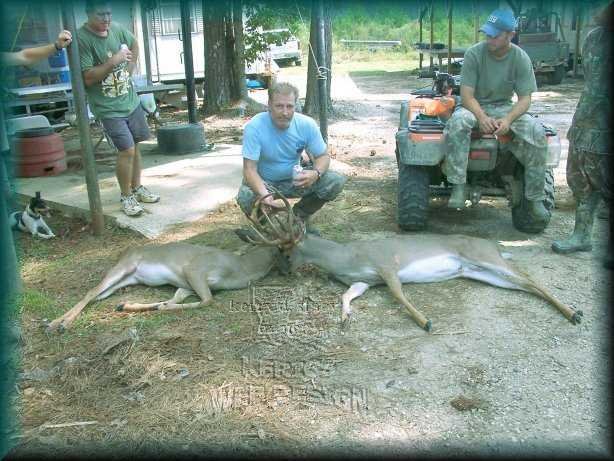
[
  {"x": 580, "y": 239},
  {"x": 457, "y": 197},
  {"x": 305, "y": 208},
  {"x": 537, "y": 210}
]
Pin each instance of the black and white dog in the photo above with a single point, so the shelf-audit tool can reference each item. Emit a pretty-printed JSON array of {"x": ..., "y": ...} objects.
[{"x": 31, "y": 220}]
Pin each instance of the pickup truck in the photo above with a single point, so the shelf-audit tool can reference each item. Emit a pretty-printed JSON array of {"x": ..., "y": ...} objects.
[{"x": 284, "y": 51}]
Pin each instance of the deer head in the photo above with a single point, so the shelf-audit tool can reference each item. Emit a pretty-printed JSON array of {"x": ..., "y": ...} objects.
[{"x": 277, "y": 227}]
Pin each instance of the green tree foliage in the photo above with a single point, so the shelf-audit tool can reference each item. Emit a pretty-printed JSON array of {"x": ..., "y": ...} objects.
[
  {"x": 362, "y": 20},
  {"x": 397, "y": 22}
]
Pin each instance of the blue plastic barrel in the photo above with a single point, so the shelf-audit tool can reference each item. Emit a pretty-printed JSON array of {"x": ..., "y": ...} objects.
[
  {"x": 64, "y": 76},
  {"x": 59, "y": 59}
]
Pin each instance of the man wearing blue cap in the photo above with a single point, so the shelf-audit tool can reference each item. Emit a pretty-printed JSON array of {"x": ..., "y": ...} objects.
[{"x": 493, "y": 70}]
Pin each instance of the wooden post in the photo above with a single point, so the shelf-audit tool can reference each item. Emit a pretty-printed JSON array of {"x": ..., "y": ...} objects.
[
  {"x": 476, "y": 22},
  {"x": 322, "y": 80},
  {"x": 449, "y": 37},
  {"x": 145, "y": 27},
  {"x": 420, "y": 55},
  {"x": 188, "y": 59},
  {"x": 87, "y": 150},
  {"x": 431, "y": 38},
  {"x": 577, "y": 52}
]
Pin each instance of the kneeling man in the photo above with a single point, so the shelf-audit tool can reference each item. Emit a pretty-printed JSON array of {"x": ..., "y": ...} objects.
[{"x": 273, "y": 142}]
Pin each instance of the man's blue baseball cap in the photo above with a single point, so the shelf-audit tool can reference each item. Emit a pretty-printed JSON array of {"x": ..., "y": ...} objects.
[{"x": 499, "y": 21}]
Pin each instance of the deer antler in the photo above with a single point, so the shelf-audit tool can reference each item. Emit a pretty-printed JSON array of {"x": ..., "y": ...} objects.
[{"x": 278, "y": 233}]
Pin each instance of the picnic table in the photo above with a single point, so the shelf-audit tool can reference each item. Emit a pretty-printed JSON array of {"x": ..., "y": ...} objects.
[
  {"x": 40, "y": 94},
  {"x": 441, "y": 53},
  {"x": 62, "y": 92}
]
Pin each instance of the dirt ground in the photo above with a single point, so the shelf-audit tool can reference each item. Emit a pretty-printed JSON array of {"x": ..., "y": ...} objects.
[{"x": 270, "y": 370}]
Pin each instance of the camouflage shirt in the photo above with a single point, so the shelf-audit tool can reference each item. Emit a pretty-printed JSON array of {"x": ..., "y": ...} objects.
[{"x": 590, "y": 129}]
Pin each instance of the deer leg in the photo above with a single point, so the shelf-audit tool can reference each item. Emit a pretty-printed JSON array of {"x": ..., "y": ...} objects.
[
  {"x": 178, "y": 297},
  {"x": 177, "y": 307},
  {"x": 503, "y": 275},
  {"x": 527, "y": 284},
  {"x": 168, "y": 306},
  {"x": 356, "y": 289},
  {"x": 396, "y": 288},
  {"x": 115, "y": 278},
  {"x": 202, "y": 290}
]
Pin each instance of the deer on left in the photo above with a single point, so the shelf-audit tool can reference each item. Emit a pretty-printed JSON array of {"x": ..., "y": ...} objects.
[{"x": 193, "y": 269}]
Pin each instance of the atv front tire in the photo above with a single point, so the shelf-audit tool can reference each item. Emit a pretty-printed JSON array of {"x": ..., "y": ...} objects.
[
  {"x": 413, "y": 196},
  {"x": 521, "y": 218}
]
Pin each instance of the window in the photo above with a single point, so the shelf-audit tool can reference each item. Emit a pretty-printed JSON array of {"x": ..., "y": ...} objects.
[{"x": 170, "y": 16}]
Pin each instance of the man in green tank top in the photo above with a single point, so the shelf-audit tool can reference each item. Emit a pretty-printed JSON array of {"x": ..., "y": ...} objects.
[
  {"x": 108, "y": 53},
  {"x": 493, "y": 70}
]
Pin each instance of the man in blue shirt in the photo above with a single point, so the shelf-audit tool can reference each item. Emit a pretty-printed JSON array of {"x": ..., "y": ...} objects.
[{"x": 273, "y": 142}]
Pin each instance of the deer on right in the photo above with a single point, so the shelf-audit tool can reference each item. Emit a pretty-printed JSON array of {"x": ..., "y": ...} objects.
[{"x": 393, "y": 261}]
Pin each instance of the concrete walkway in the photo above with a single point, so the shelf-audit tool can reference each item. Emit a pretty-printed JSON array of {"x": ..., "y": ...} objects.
[{"x": 190, "y": 186}]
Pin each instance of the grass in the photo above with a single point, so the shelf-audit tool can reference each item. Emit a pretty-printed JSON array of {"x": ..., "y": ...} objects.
[
  {"x": 37, "y": 303},
  {"x": 345, "y": 60}
]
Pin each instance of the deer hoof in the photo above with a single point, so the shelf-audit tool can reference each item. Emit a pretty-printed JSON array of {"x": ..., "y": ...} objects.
[
  {"x": 427, "y": 326},
  {"x": 577, "y": 317},
  {"x": 54, "y": 327},
  {"x": 346, "y": 321},
  {"x": 120, "y": 307}
]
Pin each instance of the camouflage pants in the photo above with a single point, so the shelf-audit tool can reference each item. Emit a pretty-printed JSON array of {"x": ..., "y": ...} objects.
[
  {"x": 588, "y": 172},
  {"x": 326, "y": 188},
  {"x": 529, "y": 146}
]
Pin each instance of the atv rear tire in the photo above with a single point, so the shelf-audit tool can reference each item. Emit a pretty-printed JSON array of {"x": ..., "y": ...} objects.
[
  {"x": 413, "y": 196},
  {"x": 521, "y": 217}
]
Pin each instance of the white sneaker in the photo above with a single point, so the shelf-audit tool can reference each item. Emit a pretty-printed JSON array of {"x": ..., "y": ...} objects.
[
  {"x": 144, "y": 195},
  {"x": 130, "y": 206}
]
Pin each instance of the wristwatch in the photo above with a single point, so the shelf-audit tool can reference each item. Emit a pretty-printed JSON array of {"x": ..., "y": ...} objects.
[
  {"x": 318, "y": 172},
  {"x": 55, "y": 44}
]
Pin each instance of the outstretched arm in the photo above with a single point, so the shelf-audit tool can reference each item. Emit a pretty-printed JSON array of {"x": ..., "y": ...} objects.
[{"x": 29, "y": 56}]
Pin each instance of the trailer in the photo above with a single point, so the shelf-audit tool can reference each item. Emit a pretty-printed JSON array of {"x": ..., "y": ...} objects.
[{"x": 166, "y": 49}]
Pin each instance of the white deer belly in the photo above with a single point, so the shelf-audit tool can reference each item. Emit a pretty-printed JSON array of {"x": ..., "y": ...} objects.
[
  {"x": 158, "y": 274},
  {"x": 433, "y": 269}
]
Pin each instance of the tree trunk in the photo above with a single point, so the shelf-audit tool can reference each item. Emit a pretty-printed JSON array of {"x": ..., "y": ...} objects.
[
  {"x": 217, "y": 86},
  {"x": 312, "y": 105},
  {"x": 225, "y": 86},
  {"x": 239, "y": 90}
]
